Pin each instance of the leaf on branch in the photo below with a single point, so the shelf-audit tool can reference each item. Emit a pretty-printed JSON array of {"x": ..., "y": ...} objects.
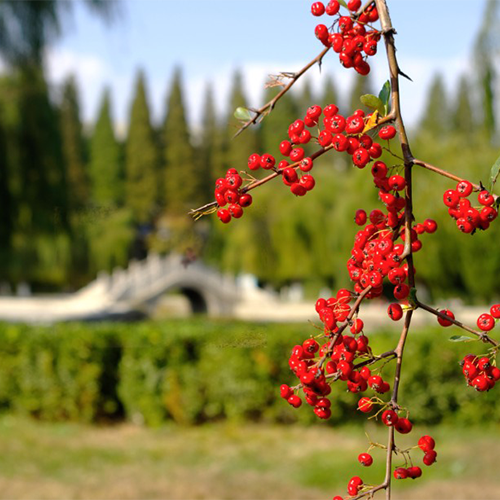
[
  {"x": 342, "y": 2},
  {"x": 372, "y": 122},
  {"x": 412, "y": 298},
  {"x": 495, "y": 169},
  {"x": 242, "y": 114},
  {"x": 373, "y": 102},
  {"x": 384, "y": 95},
  {"x": 460, "y": 338}
]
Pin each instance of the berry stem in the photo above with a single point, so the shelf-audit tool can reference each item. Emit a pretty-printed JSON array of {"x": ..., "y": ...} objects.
[
  {"x": 268, "y": 107},
  {"x": 483, "y": 336},
  {"x": 445, "y": 173}
]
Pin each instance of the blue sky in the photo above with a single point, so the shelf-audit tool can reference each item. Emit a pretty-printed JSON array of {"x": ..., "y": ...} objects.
[{"x": 211, "y": 38}]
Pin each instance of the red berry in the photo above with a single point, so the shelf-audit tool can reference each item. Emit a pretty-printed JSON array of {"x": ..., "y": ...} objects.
[
  {"x": 486, "y": 322},
  {"x": 486, "y": 198},
  {"x": 317, "y": 9},
  {"x": 360, "y": 217},
  {"x": 429, "y": 457},
  {"x": 430, "y": 226},
  {"x": 451, "y": 198},
  {"x": 321, "y": 32},
  {"x": 365, "y": 405},
  {"x": 395, "y": 312},
  {"x": 285, "y": 148},
  {"x": 387, "y": 132},
  {"x": 360, "y": 157},
  {"x": 414, "y": 472},
  {"x": 254, "y": 162},
  {"x": 397, "y": 182},
  {"x": 354, "y": 5},
  {"x": 267, "y": 161},
  {"x": 235, "y": 210},
  {"x": 245, "y": 200},
  {"x": 401, "y": 473},
  {"x": 426, "y": 443},
  {"x": 365, "y": 459},
  {"x": 224, "y": 215},
  {"x": 403, "y": 426},
  {"x": 333, "y": 7},
  {"x": 445, "y": 322},
  {"x": 389, "y": 417},
  {"x": 495, "y": 311},
  {"x": 295, "y": 400},
  {"x": 464, "y": 188}
]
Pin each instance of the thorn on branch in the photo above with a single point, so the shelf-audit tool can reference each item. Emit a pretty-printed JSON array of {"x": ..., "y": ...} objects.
[{"x": 404, "y": 74}]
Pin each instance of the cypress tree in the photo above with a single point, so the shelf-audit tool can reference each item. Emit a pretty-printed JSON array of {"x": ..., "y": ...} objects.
[
  {"x": 330, "y": 94},
  {"x": 274, "y": 127},
  {"x": 435, "y": 120},
  {"x": 463, "y": 120},
  {"x": 209, "y": 150},
  {"x": 360, "y": 86},
  {"x": 182, "y": 182},
  {"x": 141, "y": 157},
  {"x": 305, "y": 99},
  {"x": 73, "y": 146},
  {"x": 105, "y": 165},
  {"x": 238, "y": 149}
]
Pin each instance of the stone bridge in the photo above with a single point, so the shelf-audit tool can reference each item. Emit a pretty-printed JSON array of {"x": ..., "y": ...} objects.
[{"x": 131, "y": 292}]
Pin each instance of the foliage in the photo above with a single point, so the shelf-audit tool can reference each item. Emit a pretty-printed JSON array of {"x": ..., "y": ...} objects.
[{"x": 198, "y": 371}]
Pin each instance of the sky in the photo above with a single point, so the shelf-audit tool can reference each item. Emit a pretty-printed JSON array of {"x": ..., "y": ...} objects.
[{"x": 210, "y": 39}]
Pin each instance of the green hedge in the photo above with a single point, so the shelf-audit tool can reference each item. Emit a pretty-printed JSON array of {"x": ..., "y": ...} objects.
[{"x": 201, "y": 370}]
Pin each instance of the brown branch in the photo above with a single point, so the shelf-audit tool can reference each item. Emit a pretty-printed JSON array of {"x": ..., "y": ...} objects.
[
  {"x": 268, "y": 107},
  {"x": 482, "y": 336},
  {"x": 445, "y": 173},
  {"x": 197, "y": 211}
]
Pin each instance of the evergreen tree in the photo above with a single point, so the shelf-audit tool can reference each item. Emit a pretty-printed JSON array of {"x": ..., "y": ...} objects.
[
  {"x": 141, "y": 157},
  {"x": 105, "y": 166},
  {"x": 182, "y": 182},
  {"x": 305, "y": 99},
  {"x": 238, "y": 149},
  {"x": 330, "y": 94},
  {"x": 463, "y": 120},
  {"x": 73, "y": 146},
  {"x": 360, "y": 86},
  {"x": 274, "y": 127},
  {"x": 436, "y": 117},
  {"x": 210, "y": 147}
]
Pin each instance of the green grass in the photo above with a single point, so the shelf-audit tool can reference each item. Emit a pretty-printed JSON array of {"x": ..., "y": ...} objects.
[{"x": 226, "y": 461}]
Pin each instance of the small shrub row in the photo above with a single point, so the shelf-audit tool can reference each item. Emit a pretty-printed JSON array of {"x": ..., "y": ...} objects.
[{"x": 195, "y": 371}]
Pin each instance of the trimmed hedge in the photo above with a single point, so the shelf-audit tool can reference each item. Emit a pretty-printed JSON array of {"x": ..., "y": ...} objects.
[{"x": 201, "y": 370}]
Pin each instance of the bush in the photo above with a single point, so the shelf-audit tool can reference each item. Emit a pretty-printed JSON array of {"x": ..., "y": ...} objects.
[{"x": 195, "y": 371}]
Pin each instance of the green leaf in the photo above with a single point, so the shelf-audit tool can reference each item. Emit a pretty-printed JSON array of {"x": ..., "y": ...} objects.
[
  {"x": 412, "y": 298},
  {"x": 343, "y": 3},
  {"x": 460, "y": 338},
  {"x": 372, "y": 102},
  {"x": 495, "y": 169},
  {"x": 242, "y": 114},
  {"x": 384, "y": 95}
]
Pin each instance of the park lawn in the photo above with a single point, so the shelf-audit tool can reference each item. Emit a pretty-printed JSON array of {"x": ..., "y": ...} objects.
[{"x": 226, "y": 461}]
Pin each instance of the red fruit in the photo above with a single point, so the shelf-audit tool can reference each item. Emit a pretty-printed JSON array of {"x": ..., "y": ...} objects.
[
  {"x": 429, "y": 457},
  {"x": 365, "y": 405},
  {"x": 464, "y": 188},
  {"x": 224, "y": 215},
  {"x": 235, "y": 210},
  {"x": 340, "y": 142},
  {"x": 401, "y": 473},
  {"x": 445, "y": 322},
  {"x": 451, "y": 198},
  {"x": 426, "y": 443},
  {"x": 414, "y": 472},
  {"x": 306, "y": 164},
  {"x": 317, "y": 9},
  {"x": 294, "y": 400},
  {"x": 254, "y": 162},
  {"x": 333, "y": 7},
  {"x": 430, "y": 226},
  {"x": 495, "y": 311},
  {"x": 395, "y": 312},
  {"x": 314, "y": 112},
  {"x": 345, "y": 24},
  {"x": 365, "y": 459},
  {"x": 397, "y": 182},
  {"x": 403, "y": 426},
  {"x": 357, "y": 326},
  {"x": 486, "y": 322},
  {"x": 308, "y": 182},
  {"x": 285, "y": 148},
  {"x": 354, "y": 5},
  {"x": 296, "y": 154},
  {"x": 379, "y": 170},
  {"x": 389, "y": 417},
  {"x": 325, "y": 138},
  {"x": 297, "y": 189},
  {"x": 267, "y": 161},
  {"x": 245, "y": 200},
  {"x": 360, "y": 157},
  {"x": 285, "y": 391},
  {"x": 486, "y": 198},
  {"x": 386, "y": 133},
  {"x": 290, "y": 176},
  {"x": 321, "y": 32},
  {"x": 480, "y": 383},
  {"x": 360, "y": 218}
]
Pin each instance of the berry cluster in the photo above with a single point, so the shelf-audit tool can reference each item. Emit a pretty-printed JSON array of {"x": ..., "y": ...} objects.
[
  {"x": 227, "y": 191},
  {"x": 480, "y": 372},
  {"x": 469, "y": 218},
  {"x": 352, "y": 41}
]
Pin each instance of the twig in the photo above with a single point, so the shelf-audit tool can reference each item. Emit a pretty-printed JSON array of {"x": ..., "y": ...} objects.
[{"x": 268, "y": 107}]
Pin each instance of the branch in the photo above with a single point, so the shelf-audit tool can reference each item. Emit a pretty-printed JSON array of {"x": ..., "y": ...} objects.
[
  {"x": 482, "y": 336},
  {"x": 268, "y": 107},
  {"x": 445, "y": 173}
]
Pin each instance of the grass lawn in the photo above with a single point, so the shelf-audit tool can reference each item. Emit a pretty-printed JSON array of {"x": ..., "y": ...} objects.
[{"x": 226, "y": 461}]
